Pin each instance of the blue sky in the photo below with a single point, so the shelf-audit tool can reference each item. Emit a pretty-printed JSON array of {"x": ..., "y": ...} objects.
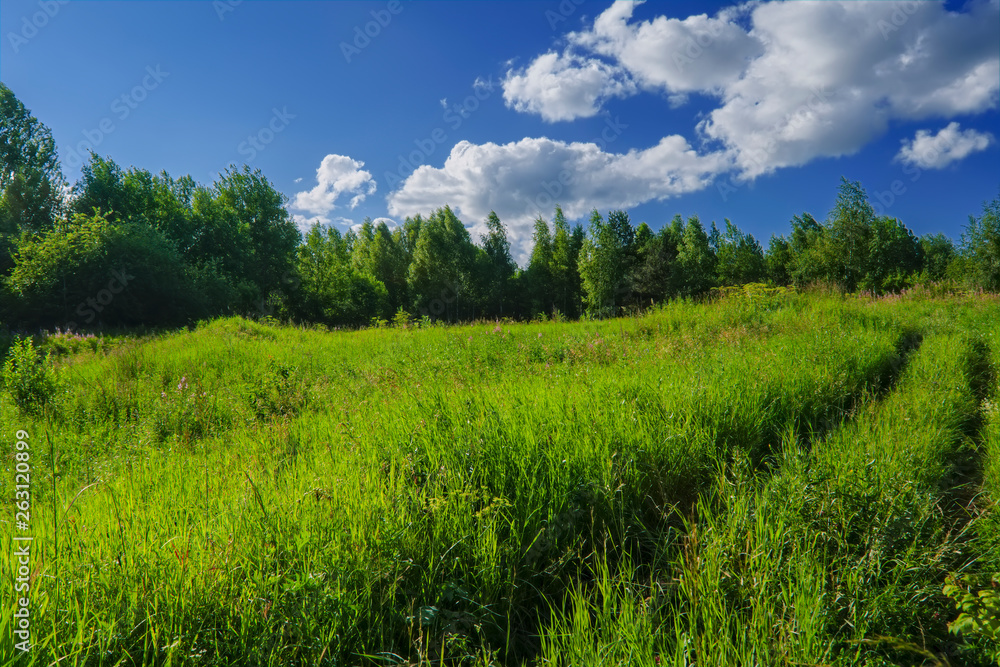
[{"x": 751, "y": 112}]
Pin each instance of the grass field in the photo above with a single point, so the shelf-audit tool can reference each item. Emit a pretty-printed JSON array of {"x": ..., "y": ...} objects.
[{"x": 770, "y": 479}]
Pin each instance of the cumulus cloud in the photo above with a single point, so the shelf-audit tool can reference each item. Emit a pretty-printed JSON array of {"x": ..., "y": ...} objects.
[
  {"x": 699, "y": 53},
  {"x": 527, "y": 178},
  {"x": 937, "y": 151},
  {"x": 564, "y": 87},
  {"x": 787, "y": 82},
  {"x": 833, "y": 75},
  {"x": 337, "y": 176},
  {"x": 794, "y": 81}
]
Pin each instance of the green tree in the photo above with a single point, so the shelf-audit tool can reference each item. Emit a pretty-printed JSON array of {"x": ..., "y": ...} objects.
[
  {"x": 331, "y": 289},
  {"x": 657, "y": 272},
  {"x": 101, "y": 188},
  {"x": 499, "y": 268},
  {"x": 695, "y": 260},
  {"x": 31, "y": 181},
  {"x": 740, "y": 257},
  {"x": 779, "y": 260},
  {"x": 893, "y": 256},
  {"x": 564, "y": 267},
  {"x": 813, "y": 257},
  {"x": 94, "y": 271},
  {"x": 981, "y": 246},
  {"x": 376, "y": 254},
  {"x": 937, "y": 251},
  {"x": 267, "y": 237},
  {"x": 850, "y": 233},
  {"x": 540, "y": 275},
  {"x": 440, "y": 273},
  {"x": 606, "y": 262}
]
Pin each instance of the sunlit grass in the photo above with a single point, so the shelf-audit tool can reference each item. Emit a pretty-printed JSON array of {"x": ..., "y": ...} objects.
[{"x": 704, "y": 482}]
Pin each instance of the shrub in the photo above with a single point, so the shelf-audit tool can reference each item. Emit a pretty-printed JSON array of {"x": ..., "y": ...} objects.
[
  {"x": 92, "y": 272},
  {"x": 29, "y": 377}
]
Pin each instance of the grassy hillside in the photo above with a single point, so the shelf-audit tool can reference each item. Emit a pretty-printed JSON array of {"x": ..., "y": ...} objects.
[{"x": 776, "y": 479}]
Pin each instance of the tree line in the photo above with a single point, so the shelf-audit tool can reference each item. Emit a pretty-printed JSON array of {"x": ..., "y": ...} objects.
[{"x": 125, "y": 247}]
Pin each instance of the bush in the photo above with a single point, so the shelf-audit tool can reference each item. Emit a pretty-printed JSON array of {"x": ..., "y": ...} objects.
[
  {"x": 29, "y": 377},
  {"x": 93, "y": 272}
]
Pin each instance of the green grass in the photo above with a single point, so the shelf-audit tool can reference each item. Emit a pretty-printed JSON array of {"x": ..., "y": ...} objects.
[{"x": 773, "y": 480}]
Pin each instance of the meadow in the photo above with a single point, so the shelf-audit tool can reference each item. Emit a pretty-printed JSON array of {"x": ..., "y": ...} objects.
[{"x": 766, "y": 478}]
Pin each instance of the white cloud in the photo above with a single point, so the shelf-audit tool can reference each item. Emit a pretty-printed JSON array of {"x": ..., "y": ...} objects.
[
  {"x": 949, "y": 145},
  {"x": 527, "y": 178},
  {"x": 564, "y": 87},
  {"x": 304, "y": 223},
  {"x": 337, "y": 175},
  {"x": 794, "y": 81},
  {"x": 389, "y": 222},
  {"x": 790, "y": 82},
  {"x": 832, "y": 76},
  {"x": 698, "y": 53}
]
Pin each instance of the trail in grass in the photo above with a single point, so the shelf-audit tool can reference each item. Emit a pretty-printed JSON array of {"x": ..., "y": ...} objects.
[
  {"x": 837, "y": 559},
  {"x": 279, "y": 496}
]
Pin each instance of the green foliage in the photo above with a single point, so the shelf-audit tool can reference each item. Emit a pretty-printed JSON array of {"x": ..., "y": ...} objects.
[
  {"x": 981, "y": 247},
  {"x": 779, "y": 261},
  {"x": 695, "y": 260},
  {"x": 266, "y": 235},
  {"x": 937, "y": 252},
  {"x": 979, "y": 616},
  {"x": 498, "y": 269},
  {"x": 539, "y": 275},
  {"x": 607, "y": 261},
  {"x": 849, "y": 231},
  {"x": 440, "y": 275},
  {"x": 331, "y": 289},
  {"x": 740, "y": 257},
  {"x": 893, "y": 257},
  {"x": 29, "y": 377},
  {"x": 31, "y": 180},
  {"x": 401, "y": 320},
  {"x": 93, "y": 271}
]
